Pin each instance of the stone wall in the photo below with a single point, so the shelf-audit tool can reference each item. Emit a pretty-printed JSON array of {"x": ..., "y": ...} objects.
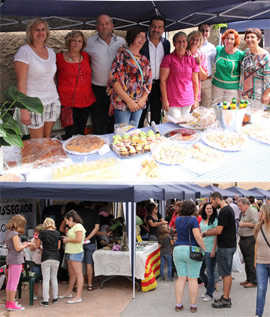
[{"x": 11, "y": 41}]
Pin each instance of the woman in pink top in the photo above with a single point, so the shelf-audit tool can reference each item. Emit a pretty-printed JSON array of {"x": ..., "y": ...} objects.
[{"x": 179, "y": 79}]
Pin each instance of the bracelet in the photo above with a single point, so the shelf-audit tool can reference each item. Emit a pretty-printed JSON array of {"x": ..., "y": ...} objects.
[{"x": 203, "y": 234}]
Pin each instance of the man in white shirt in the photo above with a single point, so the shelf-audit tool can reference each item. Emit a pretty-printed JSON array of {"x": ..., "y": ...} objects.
[
  {"x": 210, "y": 51},
  {"x": 102, "y": 48},
  {"x": 155, "y": 48}
]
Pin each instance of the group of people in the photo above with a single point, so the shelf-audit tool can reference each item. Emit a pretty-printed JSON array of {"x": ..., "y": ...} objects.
[
  {"x": 77, "y": 233},
  {"x": 117, "y": 81},
  {"x": 215, "y": 228}
]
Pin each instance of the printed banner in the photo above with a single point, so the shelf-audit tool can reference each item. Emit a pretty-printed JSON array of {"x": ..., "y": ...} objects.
[{"x": 11, "y": 207}]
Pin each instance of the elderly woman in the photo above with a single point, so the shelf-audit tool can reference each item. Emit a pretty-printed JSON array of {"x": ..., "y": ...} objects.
[
  {"x": 187, "y": 225},
  {"x": 179, "y": 79},
  {"x": 130, "y": 79},
  {"x": 228, "y": 59},
  {"x": 255, "y": 70},
  {"x": 35, "y": 67},
  {"x": 195, "y": 40},
  {"x": 74, "y": 81}
]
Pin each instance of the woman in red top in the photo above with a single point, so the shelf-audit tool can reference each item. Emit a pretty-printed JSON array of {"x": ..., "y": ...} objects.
[{"x": 74, "y": 81}]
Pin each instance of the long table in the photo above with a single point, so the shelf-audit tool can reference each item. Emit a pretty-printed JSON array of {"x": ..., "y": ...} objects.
[{"x": 115, "y": 263}]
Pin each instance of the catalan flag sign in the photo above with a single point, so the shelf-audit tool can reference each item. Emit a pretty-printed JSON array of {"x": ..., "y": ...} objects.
[{"x": 152, "y": 267}]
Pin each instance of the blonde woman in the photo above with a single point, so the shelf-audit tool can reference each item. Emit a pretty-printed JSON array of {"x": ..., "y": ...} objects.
[
  {"x": 50, "y": 259},
  {"x": 195, "y": 41},
  {"x": 262, "y": 257},
  {"x": 35, "y": 67},
  {"x": 74, "y": 255}
]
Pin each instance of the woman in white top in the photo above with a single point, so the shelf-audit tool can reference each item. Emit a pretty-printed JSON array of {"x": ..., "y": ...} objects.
[{"x": 35, "y": 67}]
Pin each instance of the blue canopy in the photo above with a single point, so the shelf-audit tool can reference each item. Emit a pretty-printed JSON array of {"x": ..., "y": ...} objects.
[
  {"x": 244, "y": 192},
  {"x": 81, "y": 14},
  {"x": 261, "y": 191},
  {"x": 241, "y": 26},
  {"x": 223, "y": 192}
]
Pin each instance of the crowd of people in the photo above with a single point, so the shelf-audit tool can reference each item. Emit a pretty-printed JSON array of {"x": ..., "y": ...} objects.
[
  {"x": 117, "y": 81},
  {"x": 215, "y": 226}
]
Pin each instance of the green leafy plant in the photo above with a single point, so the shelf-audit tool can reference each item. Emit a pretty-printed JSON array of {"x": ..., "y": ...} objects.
[
  {"x": 220, "y": 25},
  {"x": 10, "y": 133}
]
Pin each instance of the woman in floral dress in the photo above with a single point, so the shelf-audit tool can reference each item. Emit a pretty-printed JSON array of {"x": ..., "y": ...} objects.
[{"x": 130, "y": 79}]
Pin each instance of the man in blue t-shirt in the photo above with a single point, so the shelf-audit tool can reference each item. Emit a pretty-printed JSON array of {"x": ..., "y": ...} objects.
[{"x": 226, "y": 241}]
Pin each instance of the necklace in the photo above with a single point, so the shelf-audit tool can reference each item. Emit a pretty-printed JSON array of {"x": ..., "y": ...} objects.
[{"x": 71, "y": 59}]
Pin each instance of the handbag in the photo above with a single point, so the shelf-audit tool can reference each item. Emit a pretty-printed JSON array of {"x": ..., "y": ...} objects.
[
  {"x": 66, "y": 116},
  {"x": 195, "y": 253}
]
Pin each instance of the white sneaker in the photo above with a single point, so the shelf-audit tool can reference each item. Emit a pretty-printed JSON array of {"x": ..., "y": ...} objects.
[
  {"x": 207, "y": 298},
  {"x": 35, "y": 297},
  {"x": 203, "y": 295}
]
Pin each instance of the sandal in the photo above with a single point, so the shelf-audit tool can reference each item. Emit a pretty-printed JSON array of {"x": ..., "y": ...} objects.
[{"x": 91, "y": 288}]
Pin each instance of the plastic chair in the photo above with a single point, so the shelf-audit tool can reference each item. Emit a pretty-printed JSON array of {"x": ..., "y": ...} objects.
[{"x": 27, "y": 276}]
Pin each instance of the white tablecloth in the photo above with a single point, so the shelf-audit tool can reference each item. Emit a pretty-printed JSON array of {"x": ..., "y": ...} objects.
[{"x": 109, "y": 263}]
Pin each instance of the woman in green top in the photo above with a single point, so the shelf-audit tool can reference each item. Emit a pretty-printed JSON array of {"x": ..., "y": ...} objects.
[
  {"x": 228, "y": 59},
  {"x": 74, "y": 255}
]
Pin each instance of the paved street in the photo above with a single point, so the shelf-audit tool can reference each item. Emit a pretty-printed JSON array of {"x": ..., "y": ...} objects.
[{"x": 161, "y": 302}]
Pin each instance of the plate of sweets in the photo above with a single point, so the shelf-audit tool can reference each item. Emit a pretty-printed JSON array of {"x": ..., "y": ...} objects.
[
  {"x": 258, "y": 132},
  {"x": 134, "y": 144},
  {"x": 228, "y": 141},
  {"x": 83, "y": 144},
  {"x": 170, "y": 153}
]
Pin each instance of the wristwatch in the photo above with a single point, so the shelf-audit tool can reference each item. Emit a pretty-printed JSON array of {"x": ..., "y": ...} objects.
[{"x": 203, "y": 234}]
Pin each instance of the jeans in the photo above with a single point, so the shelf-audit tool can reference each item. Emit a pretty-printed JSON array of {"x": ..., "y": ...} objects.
[
  {"x": 166, "y": 258},
  {"x": 209, "y": 278},
  {"x": 49, "y": 270},
  {"x": 263, "y": 275},
  {"x": 127, "y": 116}
]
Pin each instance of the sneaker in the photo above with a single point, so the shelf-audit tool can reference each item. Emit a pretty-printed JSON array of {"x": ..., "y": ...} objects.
[
  {"x": 203, "y": 295},
  {"x": 13, "y": 306},
  {"x": 207, "y": 298},
  {"x": 222, "y": 303},
  {"x": 179, "y": 308},
  {"x": 35, "y": 297},
  {"x": 46, "y": 304},
  {"x": 55, "y": 300},
  {"x": 193, "y": 309}
]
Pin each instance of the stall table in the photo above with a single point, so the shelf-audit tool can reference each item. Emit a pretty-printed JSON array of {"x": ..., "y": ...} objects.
[{"x": 115, "y": 263}]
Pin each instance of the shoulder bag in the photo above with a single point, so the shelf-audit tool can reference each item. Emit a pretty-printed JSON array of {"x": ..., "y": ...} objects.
[
  {"x": 66, "y": 116},
  {"x": 195, "y": 253},
  {"x": 265, "y": 238}
]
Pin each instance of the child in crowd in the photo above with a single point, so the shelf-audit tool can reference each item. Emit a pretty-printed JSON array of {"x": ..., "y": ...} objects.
[
  {"x": 15, "y": 258},
  {"x": 165, "y": 243},
  {"x": 36, "y": 258},
  {"x": 50, "y": 259}
]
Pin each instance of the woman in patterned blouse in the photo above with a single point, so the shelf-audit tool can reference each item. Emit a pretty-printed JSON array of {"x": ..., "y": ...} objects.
[
  {"x": 255, "y": 70},
  {"x": 130, "y": 79}
]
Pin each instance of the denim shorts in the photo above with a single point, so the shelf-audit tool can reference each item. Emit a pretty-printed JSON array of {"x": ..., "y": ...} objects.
[
  {"x": 224, "y": 261},
  {"x": 89, "y": 249},
  {"x": 37, "y": 269},
  {"x": 184, "y": 265},
  {"x": 75, "y": 256}
]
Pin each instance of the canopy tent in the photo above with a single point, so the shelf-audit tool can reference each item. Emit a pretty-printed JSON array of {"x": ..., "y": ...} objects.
[
  {"x": 264, "y": 192},
  {"x": 241, "y": 26},
  {"x": 244, "y": 192},
  {"x": 81, "y": 14},
  {"x": 223, "y": 192}
]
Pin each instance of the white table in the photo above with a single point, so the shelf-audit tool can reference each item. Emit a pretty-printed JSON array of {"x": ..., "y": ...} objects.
[{"x": 110, "y": 263}]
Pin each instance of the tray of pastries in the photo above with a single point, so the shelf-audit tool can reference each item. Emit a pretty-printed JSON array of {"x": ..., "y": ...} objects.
[
  {"x": 229, "y": 141},
  {"x": 83, "y": 144},
  {"x": 258, "y": 132},
  {"x": 135, "y": 144}
]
